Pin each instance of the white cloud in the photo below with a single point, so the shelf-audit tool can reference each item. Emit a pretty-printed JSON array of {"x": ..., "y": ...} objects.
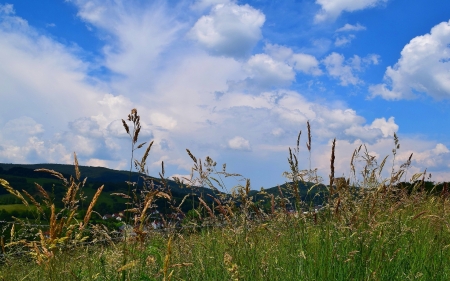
[
  {"x": 205, "y": 4},
  {"x": 349, "y": 27},
  {"x": 136, "y": 34},
  {"x": 331, "y": 9},
  {"x": 23, "y": 125},
  {"x": 337, "y": 68},
  {"x": 305, "y": 63},
  {"x": 267, "y": 72},
  {"x": 344, "y": 40},
  {"x": 6, "y": 9},
  {"x": 36, "y": 71},
  {"x": 423, "y": 67},
  {"x": 239, "y": 143},
  {"x": 230, "y": 29},
  {"x": 380, "y": 128},
  {"x": 344, "y": 70}
]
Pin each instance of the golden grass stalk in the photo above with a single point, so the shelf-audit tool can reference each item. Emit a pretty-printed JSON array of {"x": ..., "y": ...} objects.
[
  {"x": 333, "y": 147},
  {"x": 69, "y": 194},
  {"x": 35, "y": 203},
  {"x": 52, "y": 222},
  {"x": 14, "y": 192},
  {"x": 167, "y": 259},
  {"x": 210, "y": 212},
  {"x": 91, "y": 207},
  {"x": 191, "y": 155},
  {"x": 12, "y": 233},
  {"x": 127, "y": 266},
  {"x": 221, "y": 208},
  {"x": 126, "y": 126},
  {"x": 77, "y": 169},
  {"x": 272, "y": 203},
  {"x": 308, "y": 144},
  {"x": 43, "y": 192},
  {"x": 147, "y": 203},
  {"x": 183, "y": 264},
  {"x": 144, "y": 158},
  {"x": 53, "y": 173},
  {"x": 123, "y": 195}
]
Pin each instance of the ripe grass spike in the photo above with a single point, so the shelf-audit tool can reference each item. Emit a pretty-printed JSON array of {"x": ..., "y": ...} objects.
[
  {"x": 42, "y": 192},
  {"x": 127, "y": 129},
  {"x": 298, "y": 141},
  {"x": 191, "y": 155},
  {"x": 14, "y": 192},
  {"x": 308, "y": 144},
  {"x": 210, "y": 212},
  {"x": 91, "y": 206},
  {"x": 35, "y": 203},
  {"x": 77, "y": 169},
  {"x": 333, "y": 147}
]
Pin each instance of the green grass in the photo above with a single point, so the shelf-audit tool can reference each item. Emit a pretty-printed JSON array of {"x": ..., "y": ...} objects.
[
  {"x": 396, "y": 247},
  {"x": 16, "y": 207},
  {"x": 389, "y": 244}
]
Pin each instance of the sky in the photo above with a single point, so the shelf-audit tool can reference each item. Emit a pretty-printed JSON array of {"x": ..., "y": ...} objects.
[{"x": 233, "y": 80}]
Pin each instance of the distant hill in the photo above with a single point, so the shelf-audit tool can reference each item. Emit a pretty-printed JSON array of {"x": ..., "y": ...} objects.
[{"x": 23, "y": 176}]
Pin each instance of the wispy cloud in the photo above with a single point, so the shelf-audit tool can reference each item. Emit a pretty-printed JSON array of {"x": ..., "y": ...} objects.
[
  {"x": 331, "y": 9},
  {"x": 349, "y": 27}
]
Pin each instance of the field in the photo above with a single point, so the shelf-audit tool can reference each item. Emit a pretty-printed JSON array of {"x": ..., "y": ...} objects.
[{"x": 369, "y": 228}]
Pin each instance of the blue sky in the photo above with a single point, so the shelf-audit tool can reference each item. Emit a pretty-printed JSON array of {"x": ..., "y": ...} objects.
[{"x": 234, "y": 80}]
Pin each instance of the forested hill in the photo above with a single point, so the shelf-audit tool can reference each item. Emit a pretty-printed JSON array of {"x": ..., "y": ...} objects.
[
  {"x": 97, "y": 174},
  {"x": 23, "y": 177}
]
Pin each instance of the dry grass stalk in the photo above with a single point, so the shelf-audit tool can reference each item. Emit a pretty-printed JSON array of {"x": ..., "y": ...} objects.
[
  {"x": 144, "y": 158},
  {"x": 221, "y": 208},
  {"x": 191, "y": 155},
  {"x": 127, "y": 266},
  {"x": 308, "y": 144},
  {"x": 54, "y": 173},
  {"x": 127, "y": 129},
  {"x": 210, "y": 212},
  {"x": 167, "y": 260},
  {"x": 333, "y": 147},
  {"x": 91, "y": 207},
  {"x": 272, "y": 203},
  {"x": 77, "y": 169},
  {"x": 14, "y": 192},
  {"x": 43, "y": 193},
  {"x": 232, "y": 268},
  {"x": 35, "y": 203}
]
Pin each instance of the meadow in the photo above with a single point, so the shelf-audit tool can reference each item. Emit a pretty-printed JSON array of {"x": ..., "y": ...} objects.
[{"x": 370, "y": 227}]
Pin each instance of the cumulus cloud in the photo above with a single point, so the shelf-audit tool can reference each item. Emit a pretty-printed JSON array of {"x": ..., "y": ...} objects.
[
  {"x": 380, "y": 128},
  {"x": 230, "y": 29},
  {"x": 239, "y": 143},
  {"x": 331, "y": 9},
  {"x": 264, "y": 71},
  {"x": 349, "y": 27},
  {"x": 306, "y": 63},
  {"x": 344, "y": 40},
  {"x": 204, "y": 4},
  {"x": 337, "y": 68},
  {"x": 23, "y": 125},
  {"x": 344, "y": 70},
  {"x": 422, "y": 68}
]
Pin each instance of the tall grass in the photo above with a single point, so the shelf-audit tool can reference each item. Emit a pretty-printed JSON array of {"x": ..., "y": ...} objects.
[{"x": 371, "y": 228}]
